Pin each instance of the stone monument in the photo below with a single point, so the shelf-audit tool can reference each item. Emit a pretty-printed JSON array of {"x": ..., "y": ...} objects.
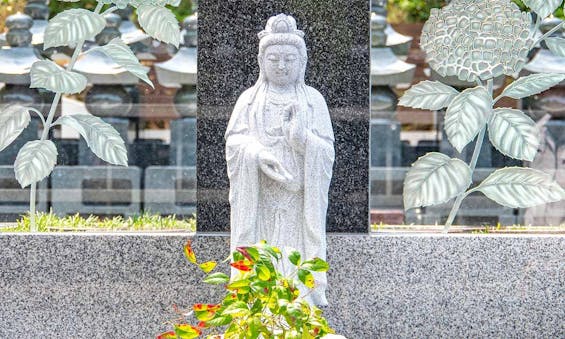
[
  {"x": 338, "y": 67},
  {"x": 280, "y": 153}
]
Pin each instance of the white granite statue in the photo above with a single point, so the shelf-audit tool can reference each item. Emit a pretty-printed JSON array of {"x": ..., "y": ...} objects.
[{"x": 280, "y": 154}]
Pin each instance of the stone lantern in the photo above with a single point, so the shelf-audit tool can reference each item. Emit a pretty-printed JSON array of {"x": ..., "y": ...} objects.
[
  {"x": 181, "y": 71},
  {"x": 399, "y": 43},
  {"x": 387, "y": 71},
  {"x": 109, "y": 96},
  {"x": 15, "y": 64}
]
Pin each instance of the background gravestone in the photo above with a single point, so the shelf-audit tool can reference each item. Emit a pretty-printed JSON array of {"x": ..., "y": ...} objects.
[{"x": 337, "y": 39}]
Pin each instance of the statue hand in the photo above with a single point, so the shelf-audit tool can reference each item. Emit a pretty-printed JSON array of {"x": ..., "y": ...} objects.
[
  {"x": 272, "y": 167},
  {"x": 295, "y": 132}
]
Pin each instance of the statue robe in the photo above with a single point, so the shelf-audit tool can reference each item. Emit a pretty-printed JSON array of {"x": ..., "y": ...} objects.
[{"x": 245, "y": 131}]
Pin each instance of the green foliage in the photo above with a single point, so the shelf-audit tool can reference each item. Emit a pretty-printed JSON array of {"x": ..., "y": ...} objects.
[
  {"x": 49, "y": 222},
  {"x": 419, "y": 10},
  {"x": 181, "y": 11},
  {"x": 259, "y": 300}
]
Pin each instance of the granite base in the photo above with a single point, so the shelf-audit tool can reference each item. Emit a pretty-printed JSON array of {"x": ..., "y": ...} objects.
[{"x": 389, "y": 286}]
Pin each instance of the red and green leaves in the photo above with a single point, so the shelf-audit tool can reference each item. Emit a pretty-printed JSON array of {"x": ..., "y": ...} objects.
[
  {"x": 186, "y": 331},
  {"x": 188, "y": 252},
  {"x": 206, "y": 267},
  {"x": 205, "y": 312},
  {"x": 259, "y": 299},
  {"x": 242, "y": 265}
]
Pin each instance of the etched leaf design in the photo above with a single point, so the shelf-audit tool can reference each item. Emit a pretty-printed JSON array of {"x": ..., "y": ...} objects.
[
  {"x": 101, "y": 137},
  {"x": 543, "y": 7},
  {"x": 532, "y": 84},
  {"x": 432, "y": 95},
  {"x": 13, "y": 120},
  {"x": 556, "y": 45},
  {"x": 72, "y": 26},
  {"x": 467, "y": 115},
  {"x": 160, "y": 23},
  {"x": 123, "y": 56},
  {"x": 434, "y": 179},
  {"x": 518, "y": 187},
  {"x": 514, "y": 134},
  {"x": 35, "y": 161},
  {"x": 49, "y": 75}
]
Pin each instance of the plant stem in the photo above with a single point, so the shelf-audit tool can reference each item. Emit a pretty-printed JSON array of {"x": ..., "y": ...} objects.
[
  {"x": 546, "y": 35},
  {"x": 49, "y": 121},
  {"x": 472, "y": 165}
]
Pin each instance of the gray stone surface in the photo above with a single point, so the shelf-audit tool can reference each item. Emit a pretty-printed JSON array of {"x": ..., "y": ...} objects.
[
  {"x": 338, "y": 67},
  {"x": 183, "y": 142},
  {"x": 170, "y": 190},
  {"x": 105, "y": 190},
  {"x": 387, "y": 286}
]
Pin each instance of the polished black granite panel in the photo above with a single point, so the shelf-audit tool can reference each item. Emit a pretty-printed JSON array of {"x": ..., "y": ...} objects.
[{"x": 337, "y": 38}]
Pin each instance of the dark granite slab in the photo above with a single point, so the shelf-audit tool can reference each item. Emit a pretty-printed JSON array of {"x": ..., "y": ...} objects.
[{"x": 337, "y": 38}]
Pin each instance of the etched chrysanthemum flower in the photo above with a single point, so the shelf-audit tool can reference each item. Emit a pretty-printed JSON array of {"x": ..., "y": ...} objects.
[{"x": 477, "y": 39}]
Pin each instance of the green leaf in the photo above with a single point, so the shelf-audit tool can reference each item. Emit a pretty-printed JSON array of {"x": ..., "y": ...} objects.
[
  {"x": 467, "y": 115},
  {"x": 208, "y": 266},
  {"x": 101, "y": 137},
  {"x": 185, "y": 331},
  {"x": 532, "y": 84},
  {"x": 260, "y": 287},
  {"x": 518, "y": 187},
  {"x": 49, "y": 75},
  {"x": 13, "y": 120},
  {"x": 217, "y": 278},
  {"x": 257, "y": 306},
  {"x": 316, "y": 265},
  {"x": 514, "y": 134},
  {"x": 160, "y": 23},
  {"x": 263, "y": 273},
  {"x": 72, "y": 26},
  {"x": 306, "y": 278},
  {"x": 35, "y": 161},
  {"x": 432, "y": 95},
  {"x": 237, "y": 310},
  {"x": 238, "y": 284},
  {"x": 434, "y": 179},
  {"x": 222, "y": 320},
  {"x": 293, "y": 256}
]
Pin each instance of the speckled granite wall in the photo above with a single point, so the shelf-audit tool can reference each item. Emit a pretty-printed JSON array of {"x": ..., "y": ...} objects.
[
  {"x": 409, "y": 286},
  {"x": 337, "y": 37}
]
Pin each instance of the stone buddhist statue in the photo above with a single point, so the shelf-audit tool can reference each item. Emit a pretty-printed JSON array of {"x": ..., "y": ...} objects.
[{"x": 280, "y": 153}]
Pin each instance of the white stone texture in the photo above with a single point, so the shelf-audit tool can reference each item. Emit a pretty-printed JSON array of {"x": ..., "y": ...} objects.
[
  {"x": 280, "y": 153},
  {"x": 480, "y": 39}
]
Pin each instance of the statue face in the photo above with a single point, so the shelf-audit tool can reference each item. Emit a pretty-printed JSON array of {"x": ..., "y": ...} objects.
[{"x": 282, "y": 64}]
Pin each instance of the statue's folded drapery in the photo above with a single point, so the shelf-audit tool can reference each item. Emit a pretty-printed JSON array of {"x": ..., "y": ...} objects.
[{"x": 246, "y": 137}]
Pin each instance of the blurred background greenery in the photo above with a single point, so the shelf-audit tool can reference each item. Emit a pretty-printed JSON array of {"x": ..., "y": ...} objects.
[
  {"x": 8, "y": 7},
  {"x": 399, "y": 10},
  {"x": 419, "y": 10}
]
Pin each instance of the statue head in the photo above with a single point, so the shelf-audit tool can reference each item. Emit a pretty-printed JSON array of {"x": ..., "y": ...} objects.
[{"x": 282, "y": 52}]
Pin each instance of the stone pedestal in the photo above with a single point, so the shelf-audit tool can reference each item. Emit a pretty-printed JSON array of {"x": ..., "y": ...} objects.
[{"x": 338, "y": 66}]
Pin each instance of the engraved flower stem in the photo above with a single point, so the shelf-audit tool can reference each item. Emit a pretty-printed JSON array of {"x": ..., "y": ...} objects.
[
  {"x": 49, "y": 121},
  {"x": 472, "y": 165}
]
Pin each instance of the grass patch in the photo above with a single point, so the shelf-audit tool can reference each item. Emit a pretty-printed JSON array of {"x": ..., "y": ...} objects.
[{"x": 49, "y": 222}]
